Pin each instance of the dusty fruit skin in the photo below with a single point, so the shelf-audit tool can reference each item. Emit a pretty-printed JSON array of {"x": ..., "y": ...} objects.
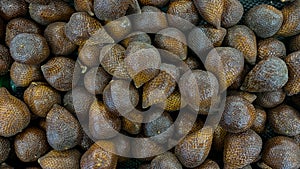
[
  {"x": 63, "y": 129},
  {"x": 268, "y": 75},
  {"x": 292, "y": 87},
  {"x": 31, "y": 144},
  {"x": 96, "y": 79},
  {"x": 12, "y": 8},
  {"x": 232, "y": 13},
  {"x": 281, "y": 152},
  {"x": 260, "y": 120},
  {"x": 29, "y": 48},
  {"x": 109, "y": 10},
  {"x": 14, "y": 114},
  {"x": 239, "y": 114},
  {"x": 40, "y": 98},
  {"x": 241, "y": 149},
  {"x": 4, "y": 149},
  {"x": 57, "y": 40},
  {"x": 136, "y": 36},
  {"x": 5, "y": 60},
  {"x": 270, "y": 99},
  {"x": 285, "y": 120},
  {"x": 69, "y": 159},
  {"x": 166, "y": 160},
  {"x": 264, "y": 20},
  {"x": 194, "y": 149},
  {"x": 270, "y": 47},
  {"x": 119, "y": 28},
  {"x": 97, "y": 157},
  {"x": 20, "y": 25}
]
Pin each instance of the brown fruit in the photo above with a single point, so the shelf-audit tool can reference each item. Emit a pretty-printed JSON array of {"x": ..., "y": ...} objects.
[
  {"x": 149, "y": 150},
  {"x": 199, "y": 89},
  {"x": 84, "y": 6},
  {"x": 40, "y": 98},
  {"x": 285, "y": 120},
  {"x": 226, "y": 63},
  {"x": 4, "y": 149},
  {"x": 243, "y": 39},
  {"x": 270, "y": 47},
  {"x": 13, "y": 8},
  {"x": 291, "y": 20},
  {"x": 69, "y": 159},
  {"x": 232, "y": 13},
  {"x": 22, "y": 74},
  {"x": 158, "y": 3},
  {"x": 194, "y": 149},
  {"x": 58, "y": 72},
  {"x": 102, "y": 123},
  {"x": 211, "y": 11},
  {"x": 294, "y": 43},
  {"x": 56, "y": 10},
  {"x": 81, "y": 27},
  {"x": 151, "y": 20},
  {"x": 112, "y": 60},
  {"x": 5, "y": 60},
  {"x": 14, "y": 114},
  {"x": 142, "y": 62},
  {"x": 136, "y": 36},
  {"x": 208, "y": 164},
  {"x": 108, "y": 10},
  {"x": 119, "y": 28},
  {"x": 167, "y": 160},
  {"x": 86, "y": 142},
  {"x": 260, "y": 120},
  {"x": 123, "y": 147},
  {"x": 216, "y": 36},
  {"x": 241, "y": 149},
  {"x": 281, "y": 152},
  {"x": 174, "y": 102},
  {"x": 192, "y": 63},
  {"x": 31, "y": 144},
  {"x": 97, "y": 157},
  {"x": 248, "y": 96},
  {"x": 43, "y": 2},
  {"x": 63, "y": 129},
  {"x": 240, "y": 79},
  {"x": 20, "y": 25},
  {"x": 186, "y": 124},
  {"x": 6, "y": 166},
  {"x": 96, "y": 79},
  {"x": 29, "y": 48},
  {"x": 88, "y": 54},
  {"x": 238, "y": 116},
  {"x": 182, "y": 14},
  {"x": 172, "y": 40},
  {"x": 219, "y": 138},
  {"x": 265, "y": 20},
  {"x": 162, "y": 86},
  {"x": 297, "y": 139},
  {"x": 268, "y": 75},
  {"x": 120, "y": 97},
  {"x": 132, "y": 122},
  {"x": 270, "y": 99},
  {"x": 57, "y": 39},
  {"x": 293, "y": 85}
]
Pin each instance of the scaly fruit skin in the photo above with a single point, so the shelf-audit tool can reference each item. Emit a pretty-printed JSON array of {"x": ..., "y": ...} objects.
[
  {"x": 294, "y": 44},
  {"x": 193, "y": 150},
  {"x": 211, "y": 10},
  {"x": 270, "y": 99},
  {"x": 260, "y": 120},
  {"x": 14, "y": 114},
  {"x": 241, "y": 149},
  {"x": 208, "y": 164},
  {"x": 243, "y": 38},
  {"x": 159, "y": 3},
  {"x": 268, "y": 75},
  {"x": 216, "y": 36},
  {"x": 232, "y": 13},
  {"x": 4, "y": 149},
  {"x": 84, "y": 6},
  {"x": 270, "y": 47},
  {"x": 109, "y": 10},
  {"x": 281, "y": 152},
  {"x": 292, "y": 87},
  {"x": 167, "y": 161}
]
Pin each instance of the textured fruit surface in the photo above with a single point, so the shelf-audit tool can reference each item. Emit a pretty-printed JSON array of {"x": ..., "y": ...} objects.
[
  {"x": 13, "y": 8},
  {"x": 14, "y": 114},
  {"x": 84, "y": 6},
  {"x": 293, "y": 85},
  {"x": 109, "y": 10},
  {"x": 216, "y": 36},
  {"x": 194, "y": 149},
  {"x": 158, "y": 3},
  {"x": 243, "y": 39},
  {"x": 119, "y": 28},
  {"x": 208, "y": 164},
  {"x": 167, "y": 161},
  {"x": 260, "y": 120},
  {"x": 246, "y": 95},
  {"x": 294, "y": 44},
  {"x": 241, "y": 149},
  {"x": 4, "y": 149},
  {"x": 136, "y": 36},
  {"x": 232, "y": 13},
  {"x": 270, "y": 47},
  {"x": 270, "y": 99},
  {"x": 5, "y": 60},
  {"x": 281, "y": 152},
  {"x": 63, "y": 129},
  {"x": 268, "y": 75},
  {"x": 291, "y": 20},
  {"x": 174, "y": 102},
  {"x": 96, "y": 79}
]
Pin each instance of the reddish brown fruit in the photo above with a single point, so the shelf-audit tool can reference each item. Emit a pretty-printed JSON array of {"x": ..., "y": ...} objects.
[
  {"x": 167, "y": 160},
  {"x": 292, "y": 87},
  {"x": 5, "y": 60},
  {"x": 239, "y": 114},
  {"x": 174, "y": 102},
  {"x": 291, "y": 20},
  {"x": 63, "y": 129},
  {"x": 285, "y": 120},
  {"x": 22, "y": 74},
  {"x": 208, "y": 164},
  {"x": 281, "y": 152},
  {"x": 132, "y": 127},
  {"x": 232, "y": 13},
  {"x": 69, "y": 159},
  {"x": 55, "y": 11},
  {"x": 84, "y": 6},
  {"x": 136, "y": 36},
  {"x": 57, "y": 39},
  {"x": 260, "y": 120},
  {"x": 29, "y": 48},
  {"x": 219, "y": 138},
  {"x": 14, "y": 114},
  {"x": 270, "y": 99},
  {"x": 20, "y": 25},
  {"x": 4, "y": 149},
  {"x": 268, "y": 75},
  {"x": 241, "y": 149},
  {"x": 31, "y": 144},
  {"x": 216, "y": 36},
  {"x": 89, "y": 53},
  {"x": 240, "y": 79},
  {"x": 96, "y": 79},
  {"x": 13, "y": 8},
  {"x": 270, "y": 47},
  {"x": 108, "y": 10}
]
